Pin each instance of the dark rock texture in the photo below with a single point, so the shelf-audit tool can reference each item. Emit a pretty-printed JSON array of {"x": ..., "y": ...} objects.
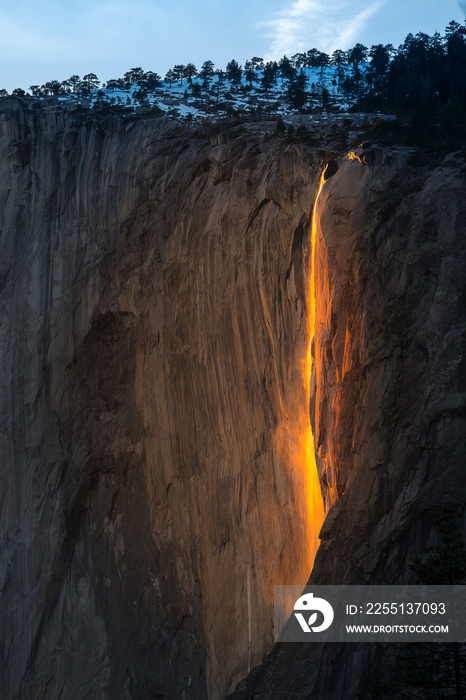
[
  {"x": 389, "y": 403},
  {"x": 153, "y": 325}
]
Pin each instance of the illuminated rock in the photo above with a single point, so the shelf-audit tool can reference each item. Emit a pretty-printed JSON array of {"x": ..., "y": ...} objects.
[{"x": 154, "y": 326}]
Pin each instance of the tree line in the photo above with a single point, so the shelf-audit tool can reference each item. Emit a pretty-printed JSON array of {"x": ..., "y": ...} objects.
[{"x": 423, "y": 70}]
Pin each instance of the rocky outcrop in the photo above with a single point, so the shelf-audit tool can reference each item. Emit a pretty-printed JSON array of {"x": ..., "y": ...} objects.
[
  {"x": 389, "y": 405},
  {"x": 153, "y": 300}
]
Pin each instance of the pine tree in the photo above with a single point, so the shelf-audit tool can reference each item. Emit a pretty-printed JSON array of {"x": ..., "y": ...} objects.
[
  {"x": 249, "y": 72},
  {"x": 54, "y": 87},
  {"x": 170, "y": 77},
  {"x": 73, "y": 83},
  {"x": 115, "y": 84},
  {"x": 378, "y": 68},
  {"x": 312, "y": 58},
  {"x": 357, "y": 55},
  {"x": 151, "y": 81},
  {"x": 190, "y": 72},
  {"x": 269, "y": 76},
  {"x": 196, "y": 90},
  {"x": 257, "y": 63},
  {"x": 89, "y": 82},
  {"x": 219, "y": 84},
  {"x": 234, "y": 72},
  {"x": 298, "y": 60},
  {"x": 288, "y": 72},
  {"x": 178, "y": 72},
  {"x": 207, "y": 69},
  {"x": 206, "y": 73},
  {"x": 296, "y": 93},
  {"x": 339, "y": 60},
  {"x": 324, "y": 61},
  {"x": 456, "y": 59},
  {"x": 135, "y": 76}
]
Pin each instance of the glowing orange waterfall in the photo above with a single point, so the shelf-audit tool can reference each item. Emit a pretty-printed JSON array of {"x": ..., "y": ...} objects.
[
  {"x": 314, "y": 495},
  {"x": 295, "y": 440}
]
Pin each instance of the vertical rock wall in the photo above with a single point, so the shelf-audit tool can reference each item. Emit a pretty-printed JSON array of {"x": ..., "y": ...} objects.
[
  {"x": 389, "y": 404},
  {"x": 153, "y": 320}
]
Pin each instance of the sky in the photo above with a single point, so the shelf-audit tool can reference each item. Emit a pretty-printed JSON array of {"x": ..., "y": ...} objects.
[{"x": 45, "y": 40}]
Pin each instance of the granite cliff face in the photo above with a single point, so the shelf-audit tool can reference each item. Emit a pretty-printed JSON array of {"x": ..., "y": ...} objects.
[
  {"x": 153, "y": 327},
  {"x": 390, "y": 349},
  {"x": 154, "y": 301},
  {"x": 389, "y": 392}
]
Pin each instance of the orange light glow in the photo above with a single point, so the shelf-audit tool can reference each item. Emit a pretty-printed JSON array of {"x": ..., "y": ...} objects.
[
  {"x": 316, "y": 507},
  {"x": 294, "y": 437}
]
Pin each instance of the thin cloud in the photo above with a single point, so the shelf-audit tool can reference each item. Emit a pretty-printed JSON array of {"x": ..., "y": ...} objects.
[
  {"x": 349, "y": 33},
  {"x": 286, "y": 28},
  {"x": 308, "y": 23}
]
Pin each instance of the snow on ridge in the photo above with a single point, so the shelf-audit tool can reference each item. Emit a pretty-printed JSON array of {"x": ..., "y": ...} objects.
[{"x": 194, "y": 100}]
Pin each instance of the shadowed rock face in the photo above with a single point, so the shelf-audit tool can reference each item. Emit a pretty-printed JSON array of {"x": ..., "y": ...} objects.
[
  {"x": 389, "y": 397},
  {"x": 153, "y": 321},
  {"x": 153, "y": 306}
]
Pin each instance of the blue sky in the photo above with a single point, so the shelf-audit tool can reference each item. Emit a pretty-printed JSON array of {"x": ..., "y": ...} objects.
[{"x": 53, "y": 39}]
